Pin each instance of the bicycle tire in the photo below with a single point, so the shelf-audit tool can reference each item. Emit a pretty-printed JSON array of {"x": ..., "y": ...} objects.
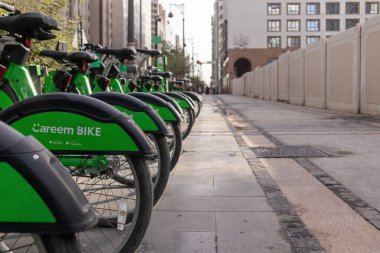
[
  {"x": 59, "y": 243},
  {"x": 105, "y": 193},
  {"x": 35, "y": 243},
  {"x": 189, "y": 120},
  {"x": 198, "y": 107},
  {"x": 161, "y": 178},
  {"x": 175, "y": 146}
]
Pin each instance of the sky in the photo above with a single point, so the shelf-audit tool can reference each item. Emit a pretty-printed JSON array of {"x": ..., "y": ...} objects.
[{"x": 198, "y": 15}]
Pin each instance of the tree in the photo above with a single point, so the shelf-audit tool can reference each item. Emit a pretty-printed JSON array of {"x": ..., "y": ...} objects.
[
  {"x": 178, "y": 64},
  {"x": 58, "y": 9}
]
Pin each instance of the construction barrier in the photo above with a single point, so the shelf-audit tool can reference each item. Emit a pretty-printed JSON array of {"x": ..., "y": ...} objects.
[
  {"x": 340, "y": 73},
  {"x": 296, "y": 77}
]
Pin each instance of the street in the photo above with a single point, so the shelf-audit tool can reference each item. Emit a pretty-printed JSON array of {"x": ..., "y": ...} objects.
[{"x": 229, "y": 194}]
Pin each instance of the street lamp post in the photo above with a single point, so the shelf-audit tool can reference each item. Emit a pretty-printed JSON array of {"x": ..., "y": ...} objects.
[
  {"x": 192, "y": 56},
  {"x": 157, "y": 19},
  {"x": 181, "y": 7}
]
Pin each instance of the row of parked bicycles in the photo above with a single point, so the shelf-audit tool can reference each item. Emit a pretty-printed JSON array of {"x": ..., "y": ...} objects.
[{"x": 100, "y": 147}]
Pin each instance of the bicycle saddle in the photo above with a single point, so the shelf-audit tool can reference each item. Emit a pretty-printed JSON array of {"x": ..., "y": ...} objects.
[
  {"x": 34, "y": 25},
  {"x": 121, "y": 54},
  {"x": 81, "y": 57},
  {"x": 180, "y": 83},
  {"x": 156, "y": 78},
  {"x": 183, "y": 80},
  {"x": 75, "y": 57},
  {"x": 152, "y": 52},
  {"x": 55, "y": 55},
  {"x": 165, "y": 75},
  {"x": 151, "y": 78}
]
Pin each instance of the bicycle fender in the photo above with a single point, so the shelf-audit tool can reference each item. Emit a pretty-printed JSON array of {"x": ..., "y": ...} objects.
[
  {"x": 68, "y": 123},
  {"x": 38, "y": 195},
  {"x": 182, "y": 100},
  {"x": 166, "y": 111},
  {"x": 144, "y": 116},
  {"x": 193, "y": 95},
  {"x": 170, "y": 100}
]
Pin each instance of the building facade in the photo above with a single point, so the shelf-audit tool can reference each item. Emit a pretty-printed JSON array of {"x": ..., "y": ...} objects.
[
  {"x": 119, "y": 23},
  {"x": 140, "y": 22},
  {"x": 159, "y": 22},
  {"x": 254, "y": 32}
]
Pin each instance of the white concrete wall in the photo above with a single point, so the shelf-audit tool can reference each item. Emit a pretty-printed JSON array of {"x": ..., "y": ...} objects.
[
  {"x": 283, "y": 78},
  {"x": 274, "y": 81},
  {"x": 343, "y": 68},
  {"x": 261, "y": 82},
  {"x": 266, "y": 70},
  {"x": 315, "y": 74},
  {"x": 256, "y": 83},
  {"x": 341, "y": 73},
  {"x": 297, "y": 77},
  {"x": 370, "y": 67},
  {"x": 238, "y": 87},
  {"x": 252, "y": 83}
]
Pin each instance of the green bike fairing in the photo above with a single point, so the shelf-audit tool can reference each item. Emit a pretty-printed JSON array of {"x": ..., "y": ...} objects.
[
  {"x": 21, "y": 81},
  {"x": 164, "y": 112},
  {"x": 142, "y": 119},
  {"x": 20, "y": 203},
  {"x": 64, "y": 131}
]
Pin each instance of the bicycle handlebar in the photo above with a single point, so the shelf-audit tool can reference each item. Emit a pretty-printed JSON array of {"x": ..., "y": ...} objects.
[{"x": 7, "y": 7}]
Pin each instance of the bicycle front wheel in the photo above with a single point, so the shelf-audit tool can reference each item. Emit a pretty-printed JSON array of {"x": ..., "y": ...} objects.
[
  {"x": 175, "y": 143},
  {"x": 159, "y": 164},
  {"x": 188, "y": 117},
  {"x": 34, "y": 243},
  {"x": 120, "y": 191}
]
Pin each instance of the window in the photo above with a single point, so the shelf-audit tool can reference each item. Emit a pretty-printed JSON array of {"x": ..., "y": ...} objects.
[
  {"x": 351, "y": 23},
  {"x": 294, "y": 41},
  {"x": 332, "y": 8},
  {"x": 274, "y": 25},
  {"x": 293, "y": 9},
  {"x": 293, "y": 25},
  {"x": 332, "y": 25},
  {"x": 372, "y": 8},
  {"x": 352, "y": 8},
  {"x": 311, "y": 39},
  {"x": 312, "y": 25},
  {"x": 312, "y": 9},
  {"x": 274, "y": 9},
  {"x": 274, "y": 42}
]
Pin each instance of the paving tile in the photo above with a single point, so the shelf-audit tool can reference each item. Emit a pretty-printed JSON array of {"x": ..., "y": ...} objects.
[
  {"x": 188, "y": 165},
  {"x": 201, "y": 172},
  {"x": 183, "y": 221},
  {"x": 249, "y": 232},
  {"x": 240, "y": 186},
  {"x": 217, "y": 204},
  {"x": 231, "y": 163},
  {"x": 257, "y": 141},
  {"x": 208, "y": 180},
  {"x": 178, "y": 242},
  {"x": 189, "y": 190}
]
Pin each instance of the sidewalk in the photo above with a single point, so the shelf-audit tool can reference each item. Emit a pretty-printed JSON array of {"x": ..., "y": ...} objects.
[
  {"x": 213, "y": 202},
  {"x": 335, "y": 193}
]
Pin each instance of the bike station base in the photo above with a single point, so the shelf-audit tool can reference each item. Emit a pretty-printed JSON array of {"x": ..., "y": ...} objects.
[{"x": 213, "y": 202}]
